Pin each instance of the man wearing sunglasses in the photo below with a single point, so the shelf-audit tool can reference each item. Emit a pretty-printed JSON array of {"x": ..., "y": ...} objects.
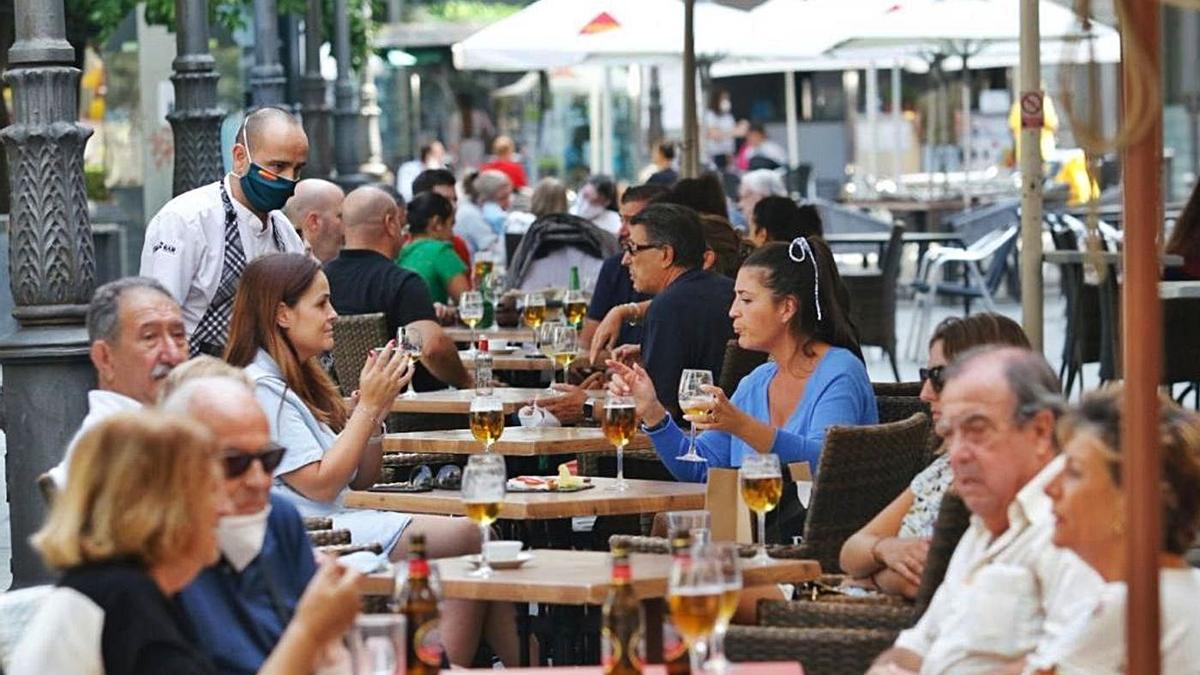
[
  {"x": 198, "y": 244},
  {"x": 240, "y": 606}
]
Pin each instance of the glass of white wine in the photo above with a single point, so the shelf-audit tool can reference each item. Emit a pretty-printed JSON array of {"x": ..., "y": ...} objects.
[
  {"x": 726, "y": 556},
  {"x": 620, "y": 424},
  {"x": 486, "y": 417},
  {"x": 533, "y": 309},
  {"x": 411, "y": 341},
  {"x": 470, "y": 310},
  {"x": 762, "y": 486},
  {"x": 694, "y": 401},
  {"x": 482, "y": 492},
  {"x": 694, "y": 596},
  {"x": 575, "y": 306},
  {"x": 566, "y": 346},
  {"x": 544, "y": 335}
]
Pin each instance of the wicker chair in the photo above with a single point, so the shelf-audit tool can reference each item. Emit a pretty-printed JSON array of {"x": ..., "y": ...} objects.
[
  {"x": 873, "y": 311},
  {"x": 353, "y": 336},
  {"x": 737, "y": 364},
  {"x": 823, "y": 651},
  {"x": 397, "y": 465},
  {"x": 346, "y": 549},
  {"x": 329, "y": 537},
  {"x": 896, "y": 408},
  {"x": 318, "y": 523},
  {"x": 897, "y": 388}
]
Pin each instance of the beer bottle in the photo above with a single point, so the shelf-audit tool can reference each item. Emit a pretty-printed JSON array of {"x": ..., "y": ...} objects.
[
  {"x": 419, "y": 605},
  {"x": 573, "y": 284},
  {"x": 483, "y": 369},
  {"x": 621, "y": 646},
  {"x": 675, "y": 649}
]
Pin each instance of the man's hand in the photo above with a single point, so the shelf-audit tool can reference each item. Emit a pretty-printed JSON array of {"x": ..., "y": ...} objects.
[{"x": 605, "y": 336}]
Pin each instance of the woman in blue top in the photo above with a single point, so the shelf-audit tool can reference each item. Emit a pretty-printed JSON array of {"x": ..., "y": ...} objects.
[{"x": 783, "y": 305}]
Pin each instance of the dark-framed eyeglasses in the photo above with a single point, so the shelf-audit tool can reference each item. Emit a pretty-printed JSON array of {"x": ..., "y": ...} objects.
[
  {"x": 236, "y": 462},
  {"x": 935, "y": 377},
  {"x": 631, "y": 249}
]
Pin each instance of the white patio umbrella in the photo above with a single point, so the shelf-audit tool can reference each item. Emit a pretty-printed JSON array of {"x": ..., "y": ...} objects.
[{"x": 558, "y": 33}]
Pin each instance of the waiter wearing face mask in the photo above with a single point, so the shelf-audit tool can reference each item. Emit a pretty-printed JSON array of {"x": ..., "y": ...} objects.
[{"x": 198, "y": 244}]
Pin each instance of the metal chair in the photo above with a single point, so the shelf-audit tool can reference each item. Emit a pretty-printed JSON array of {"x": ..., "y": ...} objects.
[{"x": 873, "y": 311}]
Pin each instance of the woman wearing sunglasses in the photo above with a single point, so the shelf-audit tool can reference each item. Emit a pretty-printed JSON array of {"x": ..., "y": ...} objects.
[
  {"x": 282, "y": 321},
  {"x": 889, "y": 552},
  {"x": 135, "y": 524}
]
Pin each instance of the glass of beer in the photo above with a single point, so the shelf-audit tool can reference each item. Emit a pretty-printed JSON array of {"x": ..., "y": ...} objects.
[
  {"x": 575, "y": 307},
  {"x": 726, "y": 556},
  {"x": 470, "y": 310},
  {"x": 620, "y": 424},
  {"x": 694, "y": 596},
  {"x": 483, "y": 267},
  {"x": 566, "y": 346},
  {"x": 411, "y": 341},
  {"x": 487, "y": 420},
  {"x": 694, "y": 401},
  {"x": 482, "y": 492},
  {"x": 533, "y": 309},
  {"x": 762, "y": 486}
]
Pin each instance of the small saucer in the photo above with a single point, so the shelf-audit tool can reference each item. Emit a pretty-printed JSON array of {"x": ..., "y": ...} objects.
[{"x": 511, "y": 564}]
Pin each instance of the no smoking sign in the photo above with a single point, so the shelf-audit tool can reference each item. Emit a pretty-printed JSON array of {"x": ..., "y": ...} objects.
[{"x": 1032, "y": 115}]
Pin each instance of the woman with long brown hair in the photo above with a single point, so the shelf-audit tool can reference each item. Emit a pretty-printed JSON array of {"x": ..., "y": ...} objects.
[{"x": 282, "y": 322}]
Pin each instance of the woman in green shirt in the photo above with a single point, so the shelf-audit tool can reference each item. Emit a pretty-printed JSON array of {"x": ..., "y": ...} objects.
[{"x": 431, "y": 253}]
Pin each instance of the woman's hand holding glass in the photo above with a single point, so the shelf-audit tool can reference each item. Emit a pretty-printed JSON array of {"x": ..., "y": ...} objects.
[
  {"x": 722, "y": 415},
  {"x": 635, "y": 383},
  {"x": 384, "y": 374}
]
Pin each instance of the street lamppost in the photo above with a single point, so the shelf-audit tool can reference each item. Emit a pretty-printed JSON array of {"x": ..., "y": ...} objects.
[
  {"x": 196, "y": 119},
  {"x": 52, "y": 267},
  {"x": 314, "y": 108},
  {"x": 345, "y": 111},
  {"x": 267, "y": 81},
  {"x": 374, "y": 166}
]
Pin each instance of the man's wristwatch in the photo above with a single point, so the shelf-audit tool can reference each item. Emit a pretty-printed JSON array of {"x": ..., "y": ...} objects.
[{"x": 633, "y": 317}]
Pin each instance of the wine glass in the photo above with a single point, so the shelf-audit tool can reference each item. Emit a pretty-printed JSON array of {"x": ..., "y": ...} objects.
[
  {"x": 410, "y": 340},
  {"x": 694, "y": 401},
  {"x": 575, "y": 306},
  {"x": 470, "y": 310},
  {"x": 533, "y": 309},
  {"x": 487, "y": 420},
  {"x": 482, "y": 492},
  {"x": 620, "y": 423},
  {"x": 726, "y": 556},
  {"x": 566, "y": 346},
  {"x": 694, "y": 593},
  {"x": 762, "y": 486},
  {"x": 377, "y": 644},
  {"x": 544, "y": 335}
]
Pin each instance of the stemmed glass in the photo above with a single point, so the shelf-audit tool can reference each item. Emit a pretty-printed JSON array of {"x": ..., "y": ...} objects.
[
  {"x": 575, "y": 307},
  {"x": 762, "y": 486},
  {"x": 487, "y": 420},
  {"x": 694, "y": 401},
  {"x": 533, "y": 309},
  {"x": 620, "y": 423},
  {"x": 377, "y": 644},
  {"x": 694, "y": 594},
  {"x": 544, "y": 335},
  {"x": 482, "y": 492},
  {"x": 470, "y": 310},
  {"x": 726, "y": 556},
  {"x": 566, "y": 345},
  {"x": 410, "y": 341}
]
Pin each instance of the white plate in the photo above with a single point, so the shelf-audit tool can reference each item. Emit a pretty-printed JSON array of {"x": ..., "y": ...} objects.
[
  {"x": 511, "y": 564},
  {"x": 502, "y": 350}
]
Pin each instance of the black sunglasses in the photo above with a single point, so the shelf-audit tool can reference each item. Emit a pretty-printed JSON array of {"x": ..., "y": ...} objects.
[
  {"x": 237, "y": 462},
  {"x": 631, "y": 249},
  {"x": 934, "y": 375}
]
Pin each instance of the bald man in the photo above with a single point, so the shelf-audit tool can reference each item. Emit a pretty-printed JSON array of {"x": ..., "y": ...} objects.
[
  {"x": 316, "y": 211},
  {"x": 364, "y": 279},
  {"x": 198, "y": 244}
]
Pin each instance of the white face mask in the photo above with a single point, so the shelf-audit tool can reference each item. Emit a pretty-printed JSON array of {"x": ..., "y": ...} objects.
[{"x": 241, "y": 537}]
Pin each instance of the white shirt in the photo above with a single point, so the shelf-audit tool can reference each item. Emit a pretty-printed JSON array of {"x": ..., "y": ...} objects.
[
  {"x": 102, "y": 404},
  {"x": 1095, "y": 643},
  {"x": 1005, "y": 597},
  {"x": 609, "y": 221},
  {"x": 185, "y": 245},
  {"x": 46, "y": 648}
]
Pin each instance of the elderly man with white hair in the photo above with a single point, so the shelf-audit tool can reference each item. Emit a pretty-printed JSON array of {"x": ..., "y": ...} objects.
[{"x": 755, "y": 186}]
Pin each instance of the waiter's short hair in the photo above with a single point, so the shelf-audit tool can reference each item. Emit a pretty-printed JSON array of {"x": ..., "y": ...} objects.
[
  {"x": 105, "y": 307},
  {"x": 260, "y": 119}
]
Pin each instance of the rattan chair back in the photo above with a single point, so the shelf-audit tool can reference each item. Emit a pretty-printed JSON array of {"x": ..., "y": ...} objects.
[
  {"x": 353, "y": 337},
  {"x": 737, "y": 364}
]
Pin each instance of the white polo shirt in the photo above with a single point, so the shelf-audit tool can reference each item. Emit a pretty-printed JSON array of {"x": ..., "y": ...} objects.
[
  {"x": 102, "y": 404},
  {"x": 185, "y": 245}
]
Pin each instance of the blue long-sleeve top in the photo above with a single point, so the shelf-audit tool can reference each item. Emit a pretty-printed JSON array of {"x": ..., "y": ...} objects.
[{"x": 838, "y": 393}]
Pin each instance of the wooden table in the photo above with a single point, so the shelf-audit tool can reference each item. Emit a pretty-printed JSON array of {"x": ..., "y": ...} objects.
[
  {"x": 583, "y": 577},
  {"x": 761, "y": 668},
  {"x": 463, "y": 334},
  {"x": 458, "y": 401},
  {"x": 643, "y": 496},
  {"x": 516, "y": 441},
  {"x": 517, "y": 360}
]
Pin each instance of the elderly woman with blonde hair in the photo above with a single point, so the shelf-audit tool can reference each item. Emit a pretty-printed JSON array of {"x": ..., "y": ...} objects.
[{"x": 135, "y": 524}]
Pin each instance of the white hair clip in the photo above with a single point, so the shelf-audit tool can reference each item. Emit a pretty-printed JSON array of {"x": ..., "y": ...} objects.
[{"x": 806, "y": 253}]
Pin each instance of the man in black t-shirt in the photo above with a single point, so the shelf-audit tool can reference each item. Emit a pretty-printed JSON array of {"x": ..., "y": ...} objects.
[
  {"x": 688, "y": 324},
  {"x": 363, "y": 279}
]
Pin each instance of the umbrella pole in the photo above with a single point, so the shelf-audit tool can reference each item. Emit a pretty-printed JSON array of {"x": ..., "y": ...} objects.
[
  {"x": 793, "y": 115},
  {"x": 1030, "y": 163},
  {"x": 897, "y": 125},
  {"x": 690, "y": 167},
  {"x": 1141, "y": 347}
]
